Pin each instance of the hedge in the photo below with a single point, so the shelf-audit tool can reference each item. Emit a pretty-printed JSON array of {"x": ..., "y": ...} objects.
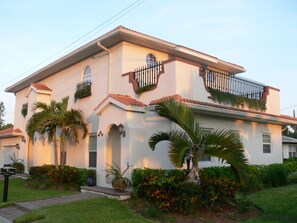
[
  {"x": 47, "y": 176},
  {"x": 168, "y": 190}
]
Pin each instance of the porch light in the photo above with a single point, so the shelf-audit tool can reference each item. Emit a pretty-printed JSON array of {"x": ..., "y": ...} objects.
[{"x": 121, "y": 130}]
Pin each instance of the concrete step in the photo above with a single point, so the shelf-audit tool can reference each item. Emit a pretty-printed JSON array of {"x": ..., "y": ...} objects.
[{"x": 109, "y": 192}]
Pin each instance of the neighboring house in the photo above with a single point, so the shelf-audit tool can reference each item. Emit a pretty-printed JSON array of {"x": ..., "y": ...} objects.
[
  {"x": 117, "y": 79},
  {"x": 289, "y": 147},
  {"x": 10, "y": 140}
]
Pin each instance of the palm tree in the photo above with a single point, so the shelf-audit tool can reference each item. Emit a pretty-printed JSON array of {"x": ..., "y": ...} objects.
[
  {"x": 39, "y": 122},
  {"x": 190, "y": 143},
  {"x": 54, "y": 118}
]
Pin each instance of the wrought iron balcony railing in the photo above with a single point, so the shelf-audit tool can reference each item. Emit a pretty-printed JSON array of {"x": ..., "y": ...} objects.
[
  {"x": 222, "y": 81},
  {"x": 148, "y": 75},
  {"x": 83, "y": 89}
]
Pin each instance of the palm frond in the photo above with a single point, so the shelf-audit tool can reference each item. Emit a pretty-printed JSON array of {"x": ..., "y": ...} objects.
[
  {"x": 180, "y": 148},
  {"x": 180, "y": 114},
  {"x": 227, "y": 147},
  {"x": 158, "y": 137},
  {"x": 163, "y": 136}
]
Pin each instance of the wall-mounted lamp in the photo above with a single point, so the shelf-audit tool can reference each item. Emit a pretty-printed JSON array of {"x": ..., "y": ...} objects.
[
  {"x": 23, "y": 139},
  {"x": 121, "y": 130},
  {"x": 17, "y": 146}
]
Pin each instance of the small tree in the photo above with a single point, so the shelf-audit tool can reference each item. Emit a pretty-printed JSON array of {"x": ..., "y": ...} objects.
[
  {"x": 290, "y": 131},
  {"x": 51, "y": 118},
  {"x": 190, "y": 143},
  {"x": 2, "y": 113}
]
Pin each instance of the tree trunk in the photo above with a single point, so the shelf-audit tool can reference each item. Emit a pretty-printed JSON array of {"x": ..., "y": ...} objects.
[
  {"x": 63, "y": 145},
  {"x": 56, "y": 152},
  {"x": 193, "y": 175}
]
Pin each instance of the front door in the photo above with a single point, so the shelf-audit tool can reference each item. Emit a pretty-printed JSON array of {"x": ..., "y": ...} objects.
[{"x": 113, "y": 153}]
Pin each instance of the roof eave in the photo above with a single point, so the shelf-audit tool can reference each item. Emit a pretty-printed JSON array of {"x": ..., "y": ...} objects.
[
  {"x": 244, "y": 115},
  {"x": 14, "y": 135}
]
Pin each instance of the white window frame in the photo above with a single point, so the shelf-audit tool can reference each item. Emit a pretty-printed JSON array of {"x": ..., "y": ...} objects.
[
  {"x": 266, "y": 143},
  {"x": 92, "y": 148},
  {"x": 292, "y": 151},
  {"x": 87, "y": 74},
  {"x": 151, "y": 60}
]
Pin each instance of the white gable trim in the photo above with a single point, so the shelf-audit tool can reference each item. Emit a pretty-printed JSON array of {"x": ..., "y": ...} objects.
[
  {"x": 37, "y": 91},
  {"x": 108, "y": 101}
]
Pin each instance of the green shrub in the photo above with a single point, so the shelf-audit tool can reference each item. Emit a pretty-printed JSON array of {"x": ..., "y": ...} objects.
[
  {"x": 216, "y": 191},
  {"x": 254, "y": 182},
  {"x": 19, "y": 167},
  {"x": 37, "y": 172},
  {"x": 292, "y": 159},
  {"x": 292, "y": 177},
  {"x": 168, "y": 190},
  {"x": 242, "y": 202},
  {"x": 48, "y": 176},
  {"x": 189, "y": 197},
  {"x": 274, "y": 175},
  {"x": 141, "y": 177},
  {"x": 291, "y": 165},
  {"x": 222, "y": 171}
]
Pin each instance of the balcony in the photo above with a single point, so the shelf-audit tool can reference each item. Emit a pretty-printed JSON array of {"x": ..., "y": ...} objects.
[
  {"x": 147, "y": 77},
  {"x": 83, "y": 90},
  {"x": 226, "y": 88}
]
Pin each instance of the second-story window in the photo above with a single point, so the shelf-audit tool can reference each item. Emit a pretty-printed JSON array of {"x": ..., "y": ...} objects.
[
  {"x": 83, "y": 89},
  {"x": 151, "y": 60},
  {"x": 87, "y": 74}
]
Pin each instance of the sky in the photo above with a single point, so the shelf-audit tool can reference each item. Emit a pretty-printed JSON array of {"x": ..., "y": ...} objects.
[{"x": 261, "y": 35}]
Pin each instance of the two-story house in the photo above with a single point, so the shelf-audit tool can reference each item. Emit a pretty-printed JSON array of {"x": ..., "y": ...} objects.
[{"x": 117, "y": 79}]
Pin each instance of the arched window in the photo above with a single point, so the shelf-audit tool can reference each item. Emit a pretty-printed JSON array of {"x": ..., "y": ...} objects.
[
  {"x": 151, "y": 60},
  {"x": 87, "y": 75}
]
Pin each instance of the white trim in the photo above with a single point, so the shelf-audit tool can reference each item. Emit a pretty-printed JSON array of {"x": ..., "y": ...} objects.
[{"x": 266, "y": 143}]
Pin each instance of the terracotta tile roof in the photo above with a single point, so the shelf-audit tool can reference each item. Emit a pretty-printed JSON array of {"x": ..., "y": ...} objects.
[
  {"x": 288, "y": 117},
  {"x": 127, "y": 100},
  {"x": 207, "y": 104},
  {"x": 10, "y": 131},
  {"x": 172, "y": 97},
  {"x": 41, "y": 87}
]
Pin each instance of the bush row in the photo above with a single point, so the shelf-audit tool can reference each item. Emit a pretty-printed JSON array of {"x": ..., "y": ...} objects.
[
  {"x": 167, "y": 188},
  {"x": 47, "y": 176},
  {"x": 260, "y": 176}
]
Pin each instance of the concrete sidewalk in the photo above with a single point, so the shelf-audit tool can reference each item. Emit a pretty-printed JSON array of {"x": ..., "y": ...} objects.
[{"x": 8, "y": 214}]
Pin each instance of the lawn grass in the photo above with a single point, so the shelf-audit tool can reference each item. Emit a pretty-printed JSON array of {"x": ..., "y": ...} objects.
[
  {"x": 278, "y": 204},
  {"x": 17, "y": 191},
  {"x": 93, "y": 210}
]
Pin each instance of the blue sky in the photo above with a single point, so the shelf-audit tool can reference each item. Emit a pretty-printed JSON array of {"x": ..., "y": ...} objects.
[{"x": 258, "y": 35}]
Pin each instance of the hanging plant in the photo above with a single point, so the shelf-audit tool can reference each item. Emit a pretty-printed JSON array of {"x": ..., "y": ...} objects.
[
  {"x": 236, "y": 100},
  {"x": 149, "y": 87},
  {"x": 83, "y": 92},
  {"x": 24, "y": 110}
]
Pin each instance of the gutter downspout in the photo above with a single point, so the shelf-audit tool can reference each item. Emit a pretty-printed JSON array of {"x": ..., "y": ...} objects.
[{"x": 109, "y": 76}]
